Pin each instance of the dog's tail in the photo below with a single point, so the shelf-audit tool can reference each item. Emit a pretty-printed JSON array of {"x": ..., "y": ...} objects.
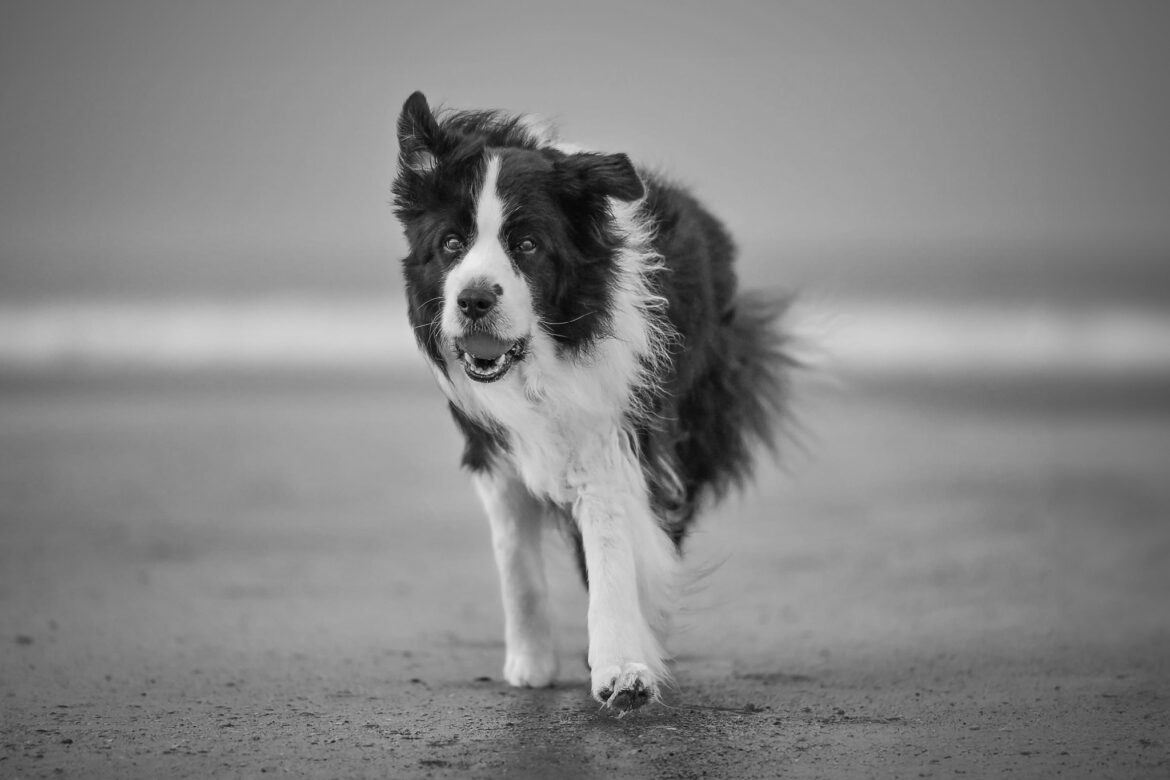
[
  {"x": 747, "y": 389},
  {"x": 739, "y": 402}
]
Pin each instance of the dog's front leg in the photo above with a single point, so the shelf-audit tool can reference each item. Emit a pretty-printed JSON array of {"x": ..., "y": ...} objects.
[
  {"x": 625, "y": 657},
  {"x": 516, "y": 518}
]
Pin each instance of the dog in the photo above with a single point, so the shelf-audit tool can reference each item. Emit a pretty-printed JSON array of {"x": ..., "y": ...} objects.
[{"x": 581, "y": 317}]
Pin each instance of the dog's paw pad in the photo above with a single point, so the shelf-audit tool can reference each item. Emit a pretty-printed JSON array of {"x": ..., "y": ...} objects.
[{"x": 624, "y": 688}]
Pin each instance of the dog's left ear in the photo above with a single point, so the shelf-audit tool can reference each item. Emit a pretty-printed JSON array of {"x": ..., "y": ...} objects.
[
  {"x": 606, "y": 174},
  {"x": 418, "y": 135}
]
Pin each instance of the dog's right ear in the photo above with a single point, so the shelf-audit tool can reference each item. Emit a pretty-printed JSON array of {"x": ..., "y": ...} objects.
[{"x": 418, "y": 135}]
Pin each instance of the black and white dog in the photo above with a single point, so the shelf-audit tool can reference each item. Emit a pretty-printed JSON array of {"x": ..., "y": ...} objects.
[{"x": 582, "y": 319}]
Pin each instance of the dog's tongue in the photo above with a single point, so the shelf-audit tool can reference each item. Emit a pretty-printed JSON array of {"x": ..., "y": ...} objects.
[{"x": 483, "y": 346}]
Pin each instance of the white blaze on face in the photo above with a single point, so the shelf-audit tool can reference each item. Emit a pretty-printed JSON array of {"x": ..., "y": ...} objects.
[
  {"x": 487, "y": 263},
  {"x": 489, "y": 208}
]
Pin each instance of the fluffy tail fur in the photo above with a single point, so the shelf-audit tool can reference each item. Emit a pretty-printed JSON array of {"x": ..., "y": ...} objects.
[{"x": 705, "y": 444}]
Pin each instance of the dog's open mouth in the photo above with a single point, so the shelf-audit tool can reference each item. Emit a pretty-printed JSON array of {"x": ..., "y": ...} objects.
[{"x": 486, "y": 358}]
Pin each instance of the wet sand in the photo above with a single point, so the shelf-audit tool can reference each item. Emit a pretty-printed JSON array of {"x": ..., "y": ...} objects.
[{"x": 291, "y": 577}]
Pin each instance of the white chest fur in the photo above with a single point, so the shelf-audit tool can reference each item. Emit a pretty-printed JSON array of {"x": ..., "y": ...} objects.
[{"x": 564, "y": 419}]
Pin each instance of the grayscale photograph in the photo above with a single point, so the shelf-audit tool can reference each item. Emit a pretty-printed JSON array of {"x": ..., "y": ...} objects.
[{"x": 583, "y": 390}]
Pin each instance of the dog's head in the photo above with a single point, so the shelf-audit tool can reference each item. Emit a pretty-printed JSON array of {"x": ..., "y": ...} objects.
[{"x": 512, "y": 241}]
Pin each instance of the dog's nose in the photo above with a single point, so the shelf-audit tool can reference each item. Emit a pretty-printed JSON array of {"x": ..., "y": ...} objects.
[{"x": 476, "y": 301}]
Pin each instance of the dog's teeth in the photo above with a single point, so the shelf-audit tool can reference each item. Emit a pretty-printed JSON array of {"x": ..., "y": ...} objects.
[{"x": 483, "y": 369}]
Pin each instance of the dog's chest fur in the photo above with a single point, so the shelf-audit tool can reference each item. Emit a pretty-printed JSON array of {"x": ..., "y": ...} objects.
[{"x": 557, "y": 425}]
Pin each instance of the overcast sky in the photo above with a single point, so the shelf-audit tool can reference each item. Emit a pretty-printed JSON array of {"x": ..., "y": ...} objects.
[{"x": 156, "y": 143}]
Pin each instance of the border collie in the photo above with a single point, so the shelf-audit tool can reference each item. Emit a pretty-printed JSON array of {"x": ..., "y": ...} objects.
[{"x": 582, "y": 319}]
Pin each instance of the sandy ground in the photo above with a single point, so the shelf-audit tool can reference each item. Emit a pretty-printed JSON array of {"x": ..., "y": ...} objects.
[{"x": 249, "y": 578}]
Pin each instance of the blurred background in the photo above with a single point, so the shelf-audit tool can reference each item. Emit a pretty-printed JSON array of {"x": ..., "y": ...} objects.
[
  {"x": 227, "y": 481},
  {"x": 198, "y": 183}
]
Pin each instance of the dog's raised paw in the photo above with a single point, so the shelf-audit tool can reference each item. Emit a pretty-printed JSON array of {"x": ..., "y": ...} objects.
[{"x": 625, "y": 687}]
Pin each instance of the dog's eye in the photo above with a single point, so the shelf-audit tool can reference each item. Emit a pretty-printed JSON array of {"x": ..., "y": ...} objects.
[
  {"x": 526, "y": 246},
  {"x": 453, "y": 244}
]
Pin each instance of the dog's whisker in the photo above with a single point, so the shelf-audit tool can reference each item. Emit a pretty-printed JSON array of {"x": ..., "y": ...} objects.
[
  {"x": 575, "y": 319},
  {"x": 424, "y": 304}
]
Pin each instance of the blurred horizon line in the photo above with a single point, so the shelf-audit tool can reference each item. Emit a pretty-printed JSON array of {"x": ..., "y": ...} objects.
[{"x": 867, "y": 336}]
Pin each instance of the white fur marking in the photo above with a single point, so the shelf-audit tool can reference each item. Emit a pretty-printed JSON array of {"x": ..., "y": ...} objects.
[
  {"x": 516, "y": 518},
  {"x": 489, "y": 209},
  {"x": 626, "y": 553}
]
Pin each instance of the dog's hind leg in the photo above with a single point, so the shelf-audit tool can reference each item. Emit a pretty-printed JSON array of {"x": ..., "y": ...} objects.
[{"x": 516, "y": 518}]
